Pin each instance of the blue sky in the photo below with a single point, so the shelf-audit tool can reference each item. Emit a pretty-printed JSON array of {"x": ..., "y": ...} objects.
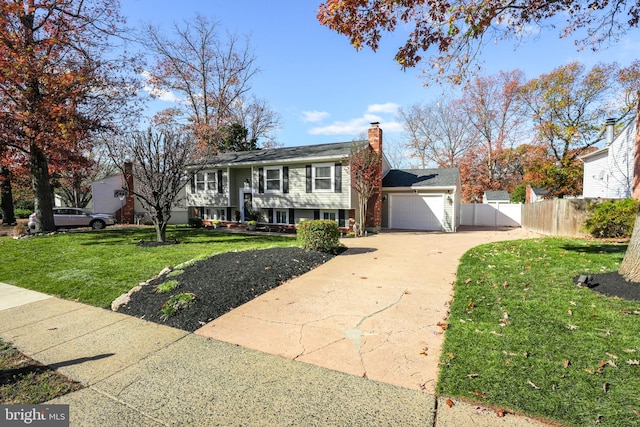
[{"x": 325, "y": 90}]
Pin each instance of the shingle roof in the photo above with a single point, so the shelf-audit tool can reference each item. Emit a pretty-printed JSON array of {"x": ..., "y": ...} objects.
[
  {"x": 497, "y": 195},
  {"x": 336, "y": 150},
  {"x": 444, "y": 177}
]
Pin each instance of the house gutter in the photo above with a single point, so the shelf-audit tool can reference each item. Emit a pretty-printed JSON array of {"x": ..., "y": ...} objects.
[{"x": 298, "y": 160}]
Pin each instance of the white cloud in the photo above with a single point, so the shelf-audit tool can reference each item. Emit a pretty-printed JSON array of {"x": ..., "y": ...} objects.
[
  {"x": 314, "y": 116},
  {"x": 355, "y": 127},
  {"x": 389, "y": 107},
  {"x": 159, "y": 94}
]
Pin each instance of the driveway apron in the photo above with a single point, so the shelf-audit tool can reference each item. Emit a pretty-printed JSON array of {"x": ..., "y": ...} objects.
[{"x": 373, "y": 311}]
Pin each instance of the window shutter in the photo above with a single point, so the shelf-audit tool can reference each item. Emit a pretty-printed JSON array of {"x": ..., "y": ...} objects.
[
  {"x": 285, "y": 179},
  {"x": 341, "y": 218},
  {"x": 316, "y": 214},
  {"x": 220, "y": 189},
  {"x": 260, "y": 180},
  {"x": 338, "y": 173},
  {"x": 292, "y": 216},
  {"x": 193, "y": 182},
  {"x": 309, "y": 186},
  {"x": 270, "y": 214}
]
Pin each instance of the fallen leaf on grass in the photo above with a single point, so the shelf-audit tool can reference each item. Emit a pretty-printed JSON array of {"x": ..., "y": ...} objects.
[
  {"x": 572, "y": 327},
  {"x": 533, "y": 385},
  {"x": 505, "y": 285},
  {"x": 477, "y": 393},
  {"x": 473, "y": 375},
  {"x": 611, "y": 355},
  {"x": 500, "y": 413},
  {"x": 468, "y": 280},
  {"x": 569, "y": 313},
  {"x": 633, "y": 362},
  {"x": 605, "y": 387},
  {"x": 566, "y": 363},
  {"x": 449, "y": 403}
]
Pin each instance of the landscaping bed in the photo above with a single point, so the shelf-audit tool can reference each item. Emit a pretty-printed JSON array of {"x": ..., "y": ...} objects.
[{"x": 219, "y": 284}]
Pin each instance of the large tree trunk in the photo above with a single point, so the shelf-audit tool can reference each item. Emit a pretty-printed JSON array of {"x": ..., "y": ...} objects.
[
  {"x": 42, "y": 189},
  {"x": 630, "y": 267},
  {"x": 6, "y": 198}
]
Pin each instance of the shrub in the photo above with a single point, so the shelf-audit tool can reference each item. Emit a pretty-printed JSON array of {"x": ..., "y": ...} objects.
[
  {"x": 195, "y": 222},
  {"x": 175, "y": 304},
  {"x": 165, "y": 287},
  {"x": 22, "y": 213},
  {"x": 319, "y": 235},
  {"x": 612, "y": 218}
]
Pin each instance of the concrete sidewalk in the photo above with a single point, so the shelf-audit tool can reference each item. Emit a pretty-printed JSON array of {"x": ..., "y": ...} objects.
[{"x": 139, "y": 373}]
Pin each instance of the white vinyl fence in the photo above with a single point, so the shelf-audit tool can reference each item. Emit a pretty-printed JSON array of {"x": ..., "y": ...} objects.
[{"x": 491, "y": 215}]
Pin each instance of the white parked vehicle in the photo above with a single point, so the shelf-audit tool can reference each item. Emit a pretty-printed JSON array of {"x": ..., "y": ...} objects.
[{"x": 74, "y": 217}]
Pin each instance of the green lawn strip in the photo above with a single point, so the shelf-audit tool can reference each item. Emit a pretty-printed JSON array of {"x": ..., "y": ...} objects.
[
  {"x": 95, "y": 267},
  {"x": 523, "y": 336},
  {"x": 25, "y": 381}
]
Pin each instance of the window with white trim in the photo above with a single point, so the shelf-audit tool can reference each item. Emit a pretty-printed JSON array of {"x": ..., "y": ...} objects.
[
  {"x": 205, "y": 181},
  {"x": 221, "y": 214},
  {"x": 281, "y": 216},
  {"x": 273, "y": 179},
  {"x": 323, "y": 177},
  {"x": 329, "y": 215}
]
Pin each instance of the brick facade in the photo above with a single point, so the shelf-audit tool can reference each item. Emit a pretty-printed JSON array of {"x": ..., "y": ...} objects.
[{"x": 374, "y": 210}]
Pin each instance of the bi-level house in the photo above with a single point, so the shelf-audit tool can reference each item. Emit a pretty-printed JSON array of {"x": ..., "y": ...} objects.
[{"x": 292, "y": 184}]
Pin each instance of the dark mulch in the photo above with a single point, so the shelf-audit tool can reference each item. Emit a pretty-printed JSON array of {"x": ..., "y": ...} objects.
[
  {"x": 222, "y": 283},
  {"x": 613, "y": 285}
]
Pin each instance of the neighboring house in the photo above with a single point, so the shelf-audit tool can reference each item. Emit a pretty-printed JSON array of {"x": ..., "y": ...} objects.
[
  {"x": 609, "y": 172},
  {"x": 496, "y": 196},
  {"x": 292, "y": 184},
  {"x": 109, "y": 196},
  {"x": 533, "y": 195}
]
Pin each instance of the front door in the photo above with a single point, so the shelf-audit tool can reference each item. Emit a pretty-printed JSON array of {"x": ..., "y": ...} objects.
[{"x": 247, "y": 203}]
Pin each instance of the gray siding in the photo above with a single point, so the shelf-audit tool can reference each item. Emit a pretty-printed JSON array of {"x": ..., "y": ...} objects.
[{"x": 297, "y": 197}]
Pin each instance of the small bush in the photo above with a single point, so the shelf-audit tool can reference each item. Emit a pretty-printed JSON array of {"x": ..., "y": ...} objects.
[
  {"x": 612, "y": 219},
  {"x": 195, "y": 222},
  {"x": 165, "y": 287},
  {"x": 319, "y": 235},
  {"x": 175, "y": 304},
  {"x": 22, "y": 213}
]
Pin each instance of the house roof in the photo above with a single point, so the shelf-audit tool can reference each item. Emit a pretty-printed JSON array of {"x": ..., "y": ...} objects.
[
  {"x": 539, "y": 191},
  {"x": 331, "y": 151},
  {"x": 445, "y": 177},
  {"x": 500, "y": 195}
]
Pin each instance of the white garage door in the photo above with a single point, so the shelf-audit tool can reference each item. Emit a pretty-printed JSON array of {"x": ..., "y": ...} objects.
[{"x": 416, "y": 212}]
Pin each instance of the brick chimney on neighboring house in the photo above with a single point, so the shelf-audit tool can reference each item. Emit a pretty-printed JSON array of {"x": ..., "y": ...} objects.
[
  {"x": 374, "y": 211},
  {"x": 128, "y": 211}
]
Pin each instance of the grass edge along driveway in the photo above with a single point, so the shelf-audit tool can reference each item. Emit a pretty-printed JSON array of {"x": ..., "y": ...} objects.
[
  {"x": 95, "y": 267},
  {"x": 521, "y": 335}
]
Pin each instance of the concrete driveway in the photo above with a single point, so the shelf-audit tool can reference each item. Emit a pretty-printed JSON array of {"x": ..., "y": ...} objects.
[{"x": 372, "y": 311}]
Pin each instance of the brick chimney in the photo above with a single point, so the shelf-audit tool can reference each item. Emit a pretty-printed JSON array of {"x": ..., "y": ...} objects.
[{"x": 374, "y": 211}]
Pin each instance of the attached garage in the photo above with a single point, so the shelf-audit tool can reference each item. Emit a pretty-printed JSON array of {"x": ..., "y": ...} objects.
[
  {"x": 411, "y": 211},
  {"x": 421, "y": 199}
]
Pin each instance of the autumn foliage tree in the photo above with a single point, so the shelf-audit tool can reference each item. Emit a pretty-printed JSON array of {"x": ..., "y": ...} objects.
[
  {"x": 449, "y": 35},
  {"x": 56, "y": 87},
  {"x": 211, "y": 77}
]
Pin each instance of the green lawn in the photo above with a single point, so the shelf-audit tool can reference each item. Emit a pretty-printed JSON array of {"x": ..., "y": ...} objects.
[
  {"x": 95, "y": 267},
  {"x": 522, "y": 336}
]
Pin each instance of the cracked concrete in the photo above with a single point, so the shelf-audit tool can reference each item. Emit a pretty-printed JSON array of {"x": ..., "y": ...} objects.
[{"x": 372, "y": 311}]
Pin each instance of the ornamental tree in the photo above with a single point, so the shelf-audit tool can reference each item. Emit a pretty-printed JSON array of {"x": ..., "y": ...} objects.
[{"x": 365, "y": 166}]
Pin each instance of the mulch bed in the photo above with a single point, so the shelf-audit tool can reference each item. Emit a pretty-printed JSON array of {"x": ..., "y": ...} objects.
[
  {"x": 613, "y": 285},
  {"x": 222, "y": 283}
]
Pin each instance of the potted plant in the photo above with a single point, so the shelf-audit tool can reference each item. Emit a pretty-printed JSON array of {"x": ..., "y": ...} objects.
[
  {"x": 251, "y": 225},
  {"x": 215, "y": 223}
]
